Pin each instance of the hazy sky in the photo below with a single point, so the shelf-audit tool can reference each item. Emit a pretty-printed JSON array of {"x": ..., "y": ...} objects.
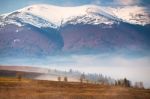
[{"x": 11, "y": 5}]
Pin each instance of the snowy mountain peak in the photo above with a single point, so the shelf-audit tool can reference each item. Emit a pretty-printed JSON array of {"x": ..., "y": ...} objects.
[
  {"x": 42, "y": 15},
  {"x": 57, "y": 14}
]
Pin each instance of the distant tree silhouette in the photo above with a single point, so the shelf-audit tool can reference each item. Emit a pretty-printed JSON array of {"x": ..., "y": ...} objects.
[
  {"x": 19, "y": 76},
  {"x": 65, "y": 79},
  {"x": 82, "y": 78},
  {"x": 70, "y": 71},
  {"x": 124, "y": 83},
  {"x": 87, "y": 81},
  {"x": 119, "y": 82},
  {"x": 59, "y": 78},
  {"x": 127, "y": 83},
  {"x": 139, "y": 85}
]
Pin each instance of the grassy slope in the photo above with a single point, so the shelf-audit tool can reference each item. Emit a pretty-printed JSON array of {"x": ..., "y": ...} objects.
[{"x": 11, "y": 88}]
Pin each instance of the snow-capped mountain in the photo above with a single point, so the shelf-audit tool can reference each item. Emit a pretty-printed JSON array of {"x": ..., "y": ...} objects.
[
  {"x": 54, "y": 16},
  {"x": 40, "y": 30}
]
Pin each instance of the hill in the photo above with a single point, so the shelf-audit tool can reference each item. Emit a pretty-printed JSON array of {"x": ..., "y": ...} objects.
[{"x": 38, "y": 73}]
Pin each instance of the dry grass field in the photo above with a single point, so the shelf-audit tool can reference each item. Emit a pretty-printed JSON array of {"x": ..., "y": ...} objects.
[{"x": 12, "y": 88}]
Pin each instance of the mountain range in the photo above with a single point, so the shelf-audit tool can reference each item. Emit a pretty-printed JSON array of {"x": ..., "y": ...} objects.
[{"x": 43, "y": 30}]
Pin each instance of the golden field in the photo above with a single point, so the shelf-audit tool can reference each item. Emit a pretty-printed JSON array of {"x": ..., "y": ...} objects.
[{"x": 12, "y": 88}]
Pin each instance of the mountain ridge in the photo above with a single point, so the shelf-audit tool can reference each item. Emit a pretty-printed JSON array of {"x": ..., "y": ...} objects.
[{"x": 55, "y": 16}]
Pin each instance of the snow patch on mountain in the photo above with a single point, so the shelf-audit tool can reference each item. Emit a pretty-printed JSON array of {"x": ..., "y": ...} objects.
[
  {"x": 53, "y": 16},
  {"x": 20, "y": 19},
  {"x": 132, "y": 14}
]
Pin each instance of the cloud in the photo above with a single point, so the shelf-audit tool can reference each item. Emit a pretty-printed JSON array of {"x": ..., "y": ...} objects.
[
  {"x": 127, "y": 2},
  {"x": 115, "y": 2}
]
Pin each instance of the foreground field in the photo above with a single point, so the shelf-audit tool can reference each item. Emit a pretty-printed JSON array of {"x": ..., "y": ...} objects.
[{"x": 12, "y": 88}]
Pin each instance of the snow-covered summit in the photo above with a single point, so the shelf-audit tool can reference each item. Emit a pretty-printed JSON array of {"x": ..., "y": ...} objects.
[
  {"x": 53, "y": 13},
  {"x": 61, "y": 15},
  {"x": 42, "y": 15}
]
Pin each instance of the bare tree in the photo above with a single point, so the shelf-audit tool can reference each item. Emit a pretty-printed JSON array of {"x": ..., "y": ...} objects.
[
  {"x": 19, "y": 76},
  {"x": 65, "y": 79},
  {"x": 82, "y": 78},
  {"x": 59, "y": 78},
  {"x": 139, "y": 85}
]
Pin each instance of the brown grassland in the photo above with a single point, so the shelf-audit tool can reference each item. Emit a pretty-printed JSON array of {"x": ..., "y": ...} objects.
[{"x": 12, "y": 88}]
